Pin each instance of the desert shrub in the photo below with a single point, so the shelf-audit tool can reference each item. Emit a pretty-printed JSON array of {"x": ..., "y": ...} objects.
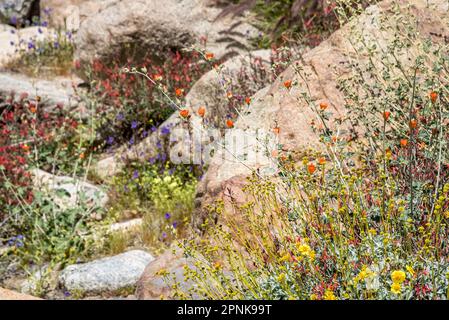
[
  {"x": 135, "y": 105},
  {"x": 365, "y": 217}
]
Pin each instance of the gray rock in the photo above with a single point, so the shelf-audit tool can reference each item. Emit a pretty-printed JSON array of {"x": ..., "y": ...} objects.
[
  {"x": 155, "y": 27},
  {"x": 15, "y": 9},
  {"x": 73, "y": 190},
  {"x": 52, "y": 92},
  {"x": 107, "y": 274}
]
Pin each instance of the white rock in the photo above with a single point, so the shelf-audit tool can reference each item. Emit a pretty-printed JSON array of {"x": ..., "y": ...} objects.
[{"x": 107, "y": 274}]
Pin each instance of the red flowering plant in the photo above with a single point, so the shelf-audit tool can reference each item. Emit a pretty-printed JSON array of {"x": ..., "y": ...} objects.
[
  {"x": 132, "y": 102},
  {"x": 30, "y": 137}
]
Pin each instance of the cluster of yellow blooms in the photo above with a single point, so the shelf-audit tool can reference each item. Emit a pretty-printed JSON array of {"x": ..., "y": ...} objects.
[
  {"x": 305, "y": 251},
  {"x": 398, "y": 277}
]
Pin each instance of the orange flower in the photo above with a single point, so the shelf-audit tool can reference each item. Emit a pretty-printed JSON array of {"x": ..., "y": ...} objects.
[
  {"x": 413, "y": 123},
  {"x": 387, "y": 115},
  {"x": 33, "y": 108},
  {"x": 82, "y": 155},
  {"x": 248, "y": 100},
  {"x": 230, "y": 124},
  {"x": 404, "y": 142},
  {"x": 157, "y": 77},
  {"x": 209, "y": 55},
  {"x": 179, "y": 92},
  {"x": 323, "y": 106},
  {"x": 433, "y": 96},
  {"x": 288, "y": 84},
  {"x": 201, "y": 111},
  {"x": 26, "y": 148},
  {"x": 277, "y": 130},
  {"x": 229, "y": 94},
  {"x": 184, "y": 113},
  {"x": 322, "y": 161},
  {"x": 274, "y": 153},
  {"x": 311, "y": 168}
]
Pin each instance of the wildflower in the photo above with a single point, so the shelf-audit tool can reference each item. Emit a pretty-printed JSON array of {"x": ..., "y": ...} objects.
[
  {"x": 229, "y": 95},
  {"x": 209, "y": 55},
  {"x": 167, "y": 215},
  {"x": 413, "y": 123},
  {"x": 323, "y": 106},
  {"x": 175, "y": 224},
  {"x": 184, "y": 113},
  {"x": 230, "y": 124},
  {"x": 387, "y": 115},
  {"x": 313, "y": 296},
  {"x": 82, "y": 156},
  {"x": 25, "y": 147},
  {"x": 311, "y": 168},
  {"x": 217, "y": 265},
  {"x": 248, "y": 100},
  {"x": 410, "y": 270},
  {"x": 134, "y": 124},
  {"x": 179, "y": 92},
  {"x": 135, "y": 174},
  {"x": 395, "y": 288},
  {"x": 306, "y": 251},
  {"x": 433, "y": 96},
  {"x": 201, "y": 111},
  {"x": 110, "y": 140},
  {"x": 322, "y": 161},
  {"x": 33, "y": 108},
  {"x": 404, "y": 142},
  {"x": 329, "y": 295},
  {"x": 157, "y": 77},
  {"x": 288, "y": 84},
  {"x": 398, "y": 276},
  {"x": 281, "y": 277},
  {"x": 276, "y": 130}
]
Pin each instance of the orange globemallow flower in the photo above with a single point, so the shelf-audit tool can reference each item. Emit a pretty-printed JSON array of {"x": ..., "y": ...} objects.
[
  {"x": 323, "y": 106},
  {"x": 229, "y": 95},
  {"x": 248, "y": 100},
  {"x": 33, "y": 108},
  {"x": 209, "y": 55},
  {"x": 184, "y": 113},
  {"x": 288, "y": 84},
  {"x": 413, "y": 123},
  {"x": 311, "y": 168},
  {"x": 82, "y": 156},
  {"x": 179, "y": 92},
  {"x": 201, "y": 111},
  {"x": 230, "y": 124},
  {"x": 387, "y": 115},
  {"x": 404, "y": 142},
  {"x": 322, "y": 161},
  {"x": 433, "y": 96},
  {"x": 277, "y": 130}
]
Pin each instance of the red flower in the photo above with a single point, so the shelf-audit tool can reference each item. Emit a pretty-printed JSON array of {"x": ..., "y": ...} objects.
[
  {"x": 201, "y": 111},
  {"x": 184, "y": 113},
  {"x": 288, "y": 84},
  {"x": 230, "y": 123},
  {"x": 387, "y": 115}
]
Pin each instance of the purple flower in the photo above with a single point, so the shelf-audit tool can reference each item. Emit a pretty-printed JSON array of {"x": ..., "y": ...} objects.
[
  {"x": 175, "y": 224},
  {"x": 13, "y": 20},
  {"x": 120, "y": 117},
  {"x": 66, "y": 294},
  {"x": 164, "y": 235},
  {"x": 39, "y": 30},
  {"x": 153, "y": 129},
  {"x": 144, "y": 134},
  {"x": 159, "y": 144},
  {"x": 134, "y": 124},
  {"x": 31, "y": 45},
  {"x": 131, "y": 141},
  {"x": 44, "y": 24},
  {"x": 165, "y": 130},
  {"x": 110, "y": 140},
  {"x": 167, "y": 215},
  {"x": 56, "y": 45},
  {"x": 135, "y": 174},
  {"x": 152, "y": 160}
]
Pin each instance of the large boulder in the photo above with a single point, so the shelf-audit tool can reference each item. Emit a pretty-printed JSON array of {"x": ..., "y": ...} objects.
[
  {"x": 315, "y": 79},
  {"x": 16, "y": 11},
  {"x": 58, "y": 91},
  {"x": 150, "y": 27},
  {"x": 70, "y": 14},
  {"x": 107, "y": 275}
]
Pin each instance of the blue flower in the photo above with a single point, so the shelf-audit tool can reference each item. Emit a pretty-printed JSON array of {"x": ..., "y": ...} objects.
[
  {"x": 167, "y": 215},
  {"x": 120, "y": 117},
  {"x": 39, "y": 30},
  {"x": 13, "y": 20},
  {"x": 31, "y": 45},
  {"x": 175, "y": 224},
  {"x": 131, "y": 141},
  {"x": 56, "y": 45},
  {"x": 164, "y": 235},
  {"x": 152, "y": 160},
  {"x": 135, "y": 174},
  {"x": 165, "y": 130},
  {"x": 134, "y": 124},
  {"x": 110, "y": 140}
]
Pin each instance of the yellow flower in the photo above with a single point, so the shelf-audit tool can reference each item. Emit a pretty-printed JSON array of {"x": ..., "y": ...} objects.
[
  {"x": 398, "y": 276},
  {"x": 281, "y": 277},
  {"x": 313, "y": 297},
  {"x": 306, "y": 251},
  {"x": 410, "y": 270},
  {"x": 329, "y": 295},
  {"x": 395, "y": 288}
]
